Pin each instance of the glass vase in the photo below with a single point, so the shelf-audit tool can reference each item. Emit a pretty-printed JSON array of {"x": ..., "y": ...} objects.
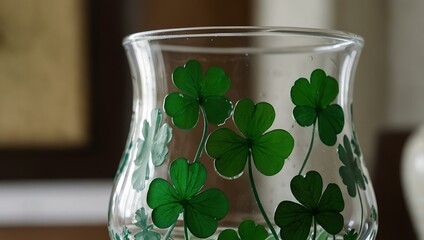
[{"x": 242, "y": 133}]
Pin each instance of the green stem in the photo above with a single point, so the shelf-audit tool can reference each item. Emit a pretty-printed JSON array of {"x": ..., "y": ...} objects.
[
  {"x": 334, "y": 237},
  {"x": 258, "y": 201},
  {"x": 168, "y": 234},
  {"x": 203, "y": 140},
  {"x": 362, "y": 209},
  {"x": 315, "y": 229},
  {"x": 185, "y": 230},
  {"x": 309, "y": 150}
]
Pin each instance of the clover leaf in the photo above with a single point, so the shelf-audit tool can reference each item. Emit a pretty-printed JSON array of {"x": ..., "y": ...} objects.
[
  {"x": 201, "y": 210},
  {"x": 146, "y": 232},
  {"x": 198, "y": 91},
  {"x": 125, "y": 234},
  {"x": 351, "y": 235},
  {"x": 313, "y": 102},
  {"x": 295, "y": 219},
  {"x": 356, "y": 148},
  {"x": 247, "y": 230},
  {"x": 269, "y": 150},
  {"x": 351, "y": 172},
  {"x": 154, "y": 147}
]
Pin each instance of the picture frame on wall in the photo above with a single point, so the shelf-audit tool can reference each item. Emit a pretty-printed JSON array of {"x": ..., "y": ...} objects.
[{"x": 66, "y": 99}]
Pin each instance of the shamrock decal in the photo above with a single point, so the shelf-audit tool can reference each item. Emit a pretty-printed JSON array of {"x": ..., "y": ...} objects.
[
  {"x": 247, "y": 230},
  {"x": 313, "y": 102},
  {"x": 125, "y": 234},
  {"x": 198, "y": 92},
  {"x": 154, "y": 147},
  {"x": 356, "y": 148},
  {"x": 141, "y": 222},
  {"x": 351, "y": 235},
  {"x": 351, "y": 172},
  {"x": 295, "y": 219},
  {"x": 201, "y": 210},
  {"x": 269, "y": 150}
]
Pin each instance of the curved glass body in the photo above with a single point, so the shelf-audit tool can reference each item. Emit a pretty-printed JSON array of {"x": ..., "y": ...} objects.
[{"x": 242, "y": 131}]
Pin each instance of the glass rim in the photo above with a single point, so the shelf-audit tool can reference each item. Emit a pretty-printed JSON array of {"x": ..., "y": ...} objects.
[{"x": 229, "y": 31}]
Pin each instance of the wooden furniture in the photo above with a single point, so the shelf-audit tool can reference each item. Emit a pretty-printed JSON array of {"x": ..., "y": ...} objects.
[
  {"x": 54, "y": 233},
  {"x": 394, "y": 220}
]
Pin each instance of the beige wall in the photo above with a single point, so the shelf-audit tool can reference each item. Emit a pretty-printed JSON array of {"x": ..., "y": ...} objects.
[
  {"x": 405, "y": 63},
  {"x": 299, "y": 13}
]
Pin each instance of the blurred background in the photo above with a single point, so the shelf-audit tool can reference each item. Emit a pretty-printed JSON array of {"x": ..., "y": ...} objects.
[{"x": 65, "y": 98}]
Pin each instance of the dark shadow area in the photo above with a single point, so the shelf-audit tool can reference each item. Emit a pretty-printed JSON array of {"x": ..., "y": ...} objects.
[{"x": 394, "y": 220}]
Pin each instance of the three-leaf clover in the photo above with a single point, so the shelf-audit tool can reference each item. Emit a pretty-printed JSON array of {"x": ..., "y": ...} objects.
[
  {"x": 295, "y": 219},
  {"x": 146, "y": 230},
  {"x": 247, "y": 230},
  {"x": 201, "y": 210},
  {"x": 269, "y": 150},
  {"x": 351, "y": 235},
  {"x": 198, "y": 92},
  {"x": 154, "y": 147},
  {"x": 313, "y": 102},
  {"x": 351, "y": 172}
]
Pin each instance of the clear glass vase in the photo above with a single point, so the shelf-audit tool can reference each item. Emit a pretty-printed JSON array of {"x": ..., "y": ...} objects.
[{"x": 242, "y": 133}]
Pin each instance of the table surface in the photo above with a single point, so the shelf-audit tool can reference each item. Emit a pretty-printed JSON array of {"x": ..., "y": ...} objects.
[{"x": 54, "y": 233}]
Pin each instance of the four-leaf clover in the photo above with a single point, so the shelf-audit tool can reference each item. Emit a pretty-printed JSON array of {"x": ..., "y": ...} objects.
[
  {"x": 313, "y": 102},
  {"x": 154, "y": 147},
  {"x": 295, "y": 220},
  {"x": 351, "y": 172},
  {"x": 247, "y": 230},
  {"x": 201, "y": 210},
  {"x": 269, "y": 150},
  {"x": 198, "y": 92},
  {"x": 146, "y": 230}
]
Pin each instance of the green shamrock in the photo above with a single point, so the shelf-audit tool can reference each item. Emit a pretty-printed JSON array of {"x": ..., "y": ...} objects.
[
  {"x": 356, "y": 148},
  {"x": 125, "y": 234},
  {"x": 201, "y": 210},
  {"x": 247, "y": 230},
  {"x": 198, "y": 92},
  {"x": 269, "y": 150},
  {"x": 141, "y": 222},
  {"x": 154, "y": 147},
  {"x": 351, "y": 235},
  {"x": 313, "y": 102},
  {"x": 351, "y": 172},
  {"x": 295, "y": 219}
]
